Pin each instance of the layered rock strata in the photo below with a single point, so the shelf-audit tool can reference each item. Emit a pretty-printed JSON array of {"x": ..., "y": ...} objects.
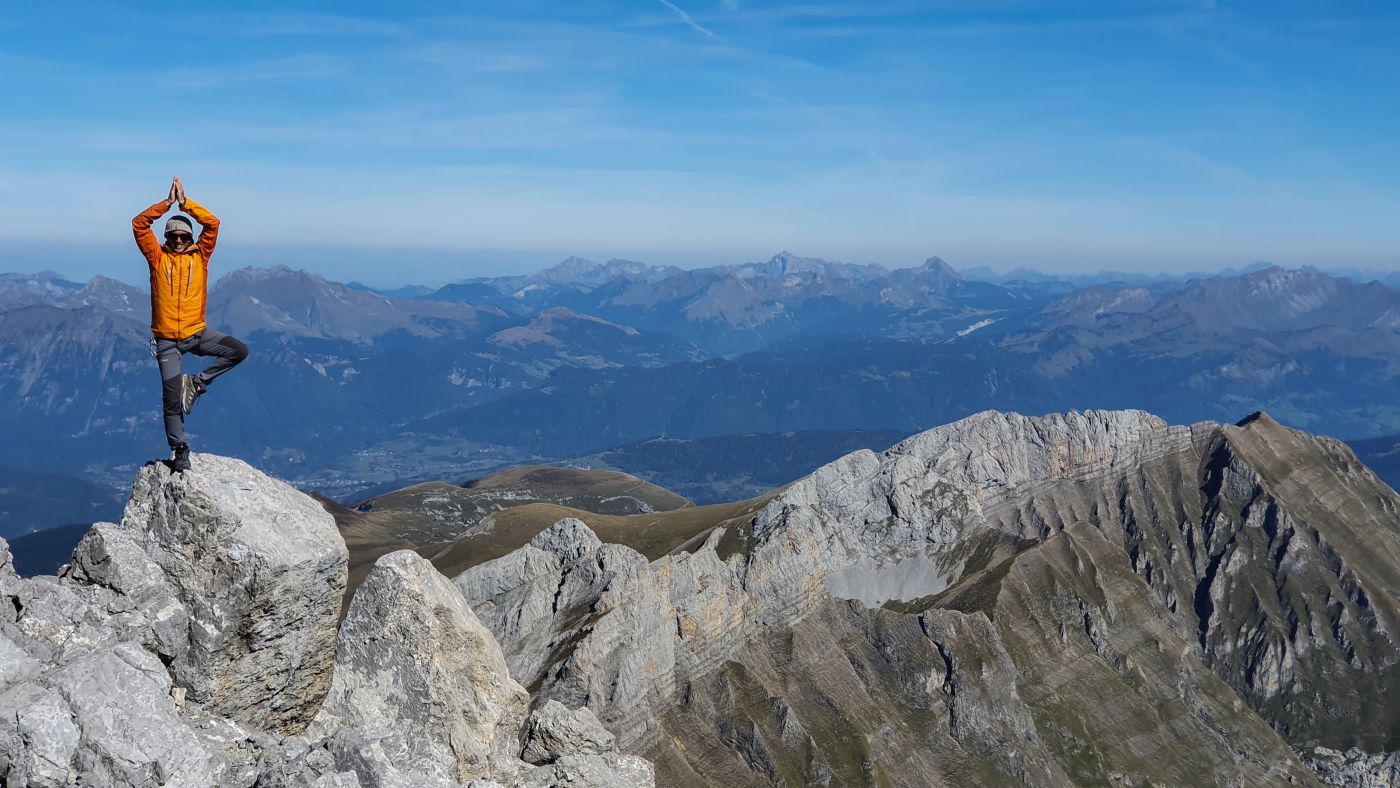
[{"x": 1259, "y": 562}]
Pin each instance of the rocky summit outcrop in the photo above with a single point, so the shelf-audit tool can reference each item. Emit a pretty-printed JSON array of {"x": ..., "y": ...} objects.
[
  {"x": 241, "y": 577},
  {"x": 594, "y": 624},
  {"x": 176, "y": 643},
  {"x": 196, "y": 644},
  {"x": 440, "y": 704},
  {"x": 1079, "y": 598},
  {"x": 422, "y": 697}
]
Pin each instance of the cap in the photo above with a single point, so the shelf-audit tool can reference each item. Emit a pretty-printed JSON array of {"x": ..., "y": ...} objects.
[{"x": 178, "y": 223}]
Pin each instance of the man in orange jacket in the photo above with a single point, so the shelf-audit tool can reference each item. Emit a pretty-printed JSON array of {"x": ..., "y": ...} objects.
[{"x": 179, "y": 279}]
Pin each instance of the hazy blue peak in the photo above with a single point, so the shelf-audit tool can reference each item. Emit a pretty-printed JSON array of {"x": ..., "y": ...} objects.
[
  {"x": 41, "y": 276},
  {"x": 260, "y": 275}
]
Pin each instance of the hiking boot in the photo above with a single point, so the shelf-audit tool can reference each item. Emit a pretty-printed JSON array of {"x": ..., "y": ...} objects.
[
  {"x": 190, "y": 389},
  {"x": 181, "y": 461}
]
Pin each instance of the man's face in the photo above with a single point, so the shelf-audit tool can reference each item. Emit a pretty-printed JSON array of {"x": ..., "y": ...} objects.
[{"x": 179, "y": 242}]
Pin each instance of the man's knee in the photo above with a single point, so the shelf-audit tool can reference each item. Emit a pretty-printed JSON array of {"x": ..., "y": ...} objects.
[{"x": 237, "y": 351}]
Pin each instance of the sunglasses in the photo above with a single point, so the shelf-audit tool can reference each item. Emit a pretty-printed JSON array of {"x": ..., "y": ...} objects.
[{"x": 178, "y": 237}]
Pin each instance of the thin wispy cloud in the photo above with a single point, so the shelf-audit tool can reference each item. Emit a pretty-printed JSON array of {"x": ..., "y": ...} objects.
[{"x": 684, "y": 17}]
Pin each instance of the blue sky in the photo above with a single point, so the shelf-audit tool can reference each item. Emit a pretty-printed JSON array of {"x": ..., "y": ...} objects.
[{"x": 436, "y": 141}]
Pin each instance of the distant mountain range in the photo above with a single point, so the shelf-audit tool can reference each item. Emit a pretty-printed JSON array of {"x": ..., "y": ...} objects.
[
  {"x": 332, "y": 367},
  {"x": 349, "y": 388},
  {"x": 45, "y": 287},
  {"x": 740, "y": 308},
  {"x": 1321, "y": 352},
  {"x": 1070, "y": 282}
]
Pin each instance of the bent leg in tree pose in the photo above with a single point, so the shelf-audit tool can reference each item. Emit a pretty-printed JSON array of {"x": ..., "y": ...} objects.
[{"x": 179, "y": 271}]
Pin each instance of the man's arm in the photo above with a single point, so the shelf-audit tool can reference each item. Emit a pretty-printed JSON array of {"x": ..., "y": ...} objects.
[
  {"x": 141, "y": 226},
  {"x": 208, "y": 226}
]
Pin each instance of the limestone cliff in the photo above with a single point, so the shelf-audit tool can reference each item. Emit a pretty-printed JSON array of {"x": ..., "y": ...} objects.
[{"x": 1078, "y": 598}]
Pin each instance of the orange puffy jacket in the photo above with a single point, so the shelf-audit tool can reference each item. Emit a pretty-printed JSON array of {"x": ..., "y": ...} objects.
[{"x": 178, "y": 281}]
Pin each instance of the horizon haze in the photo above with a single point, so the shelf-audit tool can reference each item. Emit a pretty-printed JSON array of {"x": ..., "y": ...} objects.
[{"x": 367, "y": 266}]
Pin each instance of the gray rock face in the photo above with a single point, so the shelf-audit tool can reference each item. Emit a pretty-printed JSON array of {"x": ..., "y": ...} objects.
[
  {"x": 596, "y": 625},
  {"x": 192, "y": 645},
  {"x": 687, "y": 613},
  {"x": 544, "y": 593},
  {"x": 422, "y": 696},
  {"x": 298, "y": 762},
  {"x": 15, "y": 664},
  {"x": 9, "y": 583},
  {"x": 592, "y": 771},
  {"x": 553, "y": 732},
  {"x": 1354, "y": 768},
  {"x": 57, "y": 620},
  {"x": 213, "y": 605},
  {"x": 419, "y": 680},
  {"x": 1296, "y": 562},
  {"x": 664, "y": 652},
  {"x": 241, "y": 577},
  {"x": 105, "y": 718},
  {"x": 935, "y": 497}
]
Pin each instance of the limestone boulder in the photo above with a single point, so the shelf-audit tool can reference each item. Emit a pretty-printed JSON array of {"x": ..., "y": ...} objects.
[
  {"x": 553, "y": 731},
  {"x": 421, "y": 693},
  {"x": 105, "y": 718},
  {"x": 240, "y": 577}
]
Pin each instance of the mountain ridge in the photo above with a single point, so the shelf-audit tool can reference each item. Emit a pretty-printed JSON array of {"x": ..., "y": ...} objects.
[
  {"x": 990, "y": 468},
  {"x": 416, "y": 385}
]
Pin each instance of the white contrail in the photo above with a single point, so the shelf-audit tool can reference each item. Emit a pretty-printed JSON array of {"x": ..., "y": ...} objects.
[{"x": 680, "y": 12}]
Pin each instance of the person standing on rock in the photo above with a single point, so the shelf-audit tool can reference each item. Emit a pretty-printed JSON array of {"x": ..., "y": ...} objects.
[{"x": 179, "y": 278}]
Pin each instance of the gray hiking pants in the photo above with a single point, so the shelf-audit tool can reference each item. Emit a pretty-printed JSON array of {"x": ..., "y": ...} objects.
[{"x": 170, "y": 355}]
